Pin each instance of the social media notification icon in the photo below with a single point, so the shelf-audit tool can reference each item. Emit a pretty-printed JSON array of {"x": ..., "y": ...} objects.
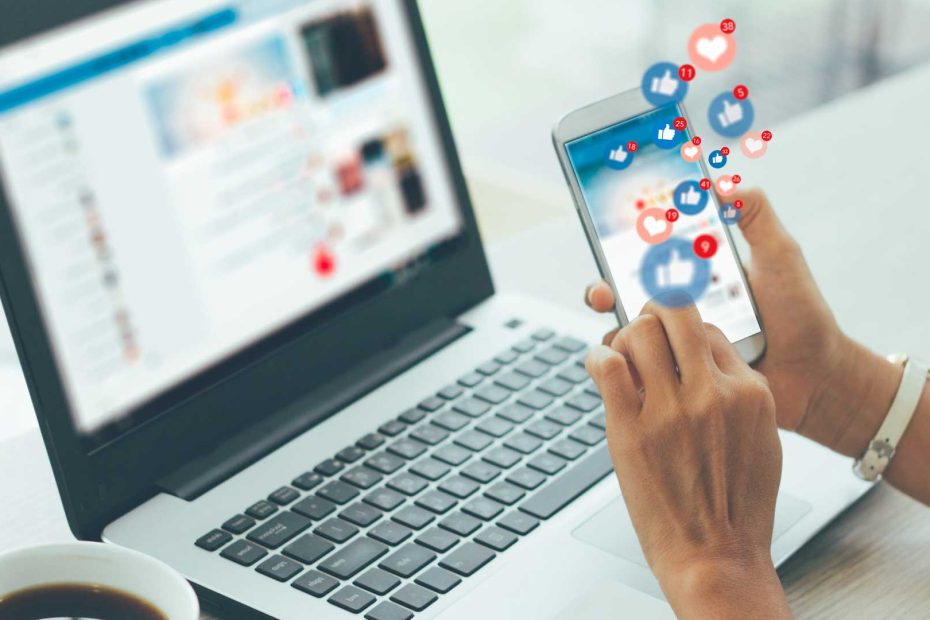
[
  {"x": 689, "y": 198},
  {"x": 729, "y": 116},
  {"x": 619, "y": 156},
  {"x": 662, "y": 85},
  {"x": 717, "y": 159},
  {"x": 672, "y": 274},
  {"x": 729, "y": 214},
  {"x": 665, "y": 136}
]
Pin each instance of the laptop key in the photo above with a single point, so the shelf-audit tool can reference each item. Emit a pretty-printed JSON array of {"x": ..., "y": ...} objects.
[
  {"x": 556, "y": 386},
  {"x": 307, "y": 481},
  {"x": 453, "y": 455},
  {"x": 407, "y": 483},
  {"x": 532, "y": 368},
  {"x": 527, "y": 478},
  {"x": 591, "y": 388},
  {"x": 412, "y": 416},
  {"x": 238, "y": 524},
  {"x": 472, "y": 407},
  {"x": 279, "y": 568},
  {"x": 515, "y": 413},
  {"x": 437, "y": 539},
  {"x": 513, "y": 381},
  {"x": 370, "y": 441},
  {"x": 588, "y": 435},
  {"x": 459, "y": 486},
  {"x": 438, "y": 579},
  {"x": 308, "y": 548},
  {"x": 598, "y": 420},
  {"x": 535, "y": 399},
  {"x": 563, "y": 415},
  {"x": 352, "y": 599},
  {"x": 261, "y": 509},
  {"x": 567, "y": 449},
  {"x": 384, "y": 499},
  {"x": 413, "y": 517},
  {"x": 415, "y": 597},
  {"x": 460, "y": 523},
  {"x": 352, "y": 558},
  {"x": 552, "y": 356},
  {"x": 561, "y": 491},
  {"x": 504, "y": 458},
  {"x": 524, "y": 346},
  {"x": 360, "y": 514},
  {"x": 329, "y": 467},
  {"x": 386, "y": 610},
  {"x": 473, "y": 440},
  {"x": 436, "y": 501},
  {"x": 213, "y": 540},
  {"x": 505, "y": 493},
  {"x": 575, "y": 374},
  {"x": 432, "y": 403},
  {"x": 392, "y": 428},
  {"x": 243, "y": 552},
  {"x": 431, "y": 469},
  {"x": 481, "y": 472},
  {"x": 350, "y": 454},
  {"x": 315, "y": 583},
  {"x": 450, "y": 392},
  {"x": 338, "y": 491},
  {"x": 496, "y": 538},
  {"x": 493, "y": 394},
  {"x": 489, "y": 368},
  {"x": 523, "y": 443},
  {"x": 519, "y": 522},
  {"x": 542, "y": 334},
  {"x": 471, "y": 379},
  {"x": 377, "y": 581},
  {"x": 451, "y": 421},
  {"x": 284, "y": 496},
  {"x": 429, "y": 434},
  {"x": 314, "y": 507},
  {"x": 495, "y": 427},
  {"x": 407, "y": 448},
  {"x": 390, "y": 533},
  {"x": 483, "y": 508},
  {"x": 467, "y": 559},
  {"x": 544, "y": 429},
  {"x": 336, "y": 530},
  {"x": 279, "y": 529},
  {"x": 385, "y": 462},
  {"x": 584, "y": 402},
  {"x": 572, "y": 345},
  {"x": 407, "y": 560},
  {"x": 362, "y": 477},
  {"x": 547, "y": 463},
  {"x": 506, "y": 357}
]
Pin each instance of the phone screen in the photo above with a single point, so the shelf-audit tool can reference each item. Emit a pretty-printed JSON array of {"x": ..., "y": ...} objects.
[{"x": 627, "y": 195}]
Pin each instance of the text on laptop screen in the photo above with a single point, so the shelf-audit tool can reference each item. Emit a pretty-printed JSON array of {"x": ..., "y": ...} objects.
[{"x": 188, "y": 177}]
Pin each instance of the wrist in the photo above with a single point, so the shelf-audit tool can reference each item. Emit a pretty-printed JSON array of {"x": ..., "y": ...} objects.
[
  {"x": 848, "y": 407},
  {"x": 731, "y": 588}
]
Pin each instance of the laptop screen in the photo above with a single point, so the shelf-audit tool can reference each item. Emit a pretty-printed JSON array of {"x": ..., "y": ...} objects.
[{"x": 189, "y": 177}]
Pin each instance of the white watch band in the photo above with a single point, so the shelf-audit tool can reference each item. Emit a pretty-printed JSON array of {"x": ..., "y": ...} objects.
[{"x": 873, "y": 462}]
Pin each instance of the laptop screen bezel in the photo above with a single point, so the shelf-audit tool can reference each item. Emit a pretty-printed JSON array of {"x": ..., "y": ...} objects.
[{"x": 97, "y": 486}]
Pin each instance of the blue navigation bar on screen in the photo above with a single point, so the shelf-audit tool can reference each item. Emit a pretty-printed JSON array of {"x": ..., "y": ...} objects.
[{"x": 111, "y": 61}]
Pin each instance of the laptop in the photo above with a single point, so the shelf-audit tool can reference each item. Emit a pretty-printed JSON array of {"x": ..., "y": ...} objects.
[{"x": 254, "y": 312}]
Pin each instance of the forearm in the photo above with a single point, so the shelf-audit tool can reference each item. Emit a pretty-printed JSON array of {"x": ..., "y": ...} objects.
[
  {"x": 727, "y": 590},
  {"x": 850, "y": 407}
]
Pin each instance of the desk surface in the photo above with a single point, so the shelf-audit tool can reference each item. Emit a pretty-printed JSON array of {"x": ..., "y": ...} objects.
[{"x": 842, "y": 178}]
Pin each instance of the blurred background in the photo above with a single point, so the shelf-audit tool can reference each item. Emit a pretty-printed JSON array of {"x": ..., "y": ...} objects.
[{"x": 510, "y": 68}]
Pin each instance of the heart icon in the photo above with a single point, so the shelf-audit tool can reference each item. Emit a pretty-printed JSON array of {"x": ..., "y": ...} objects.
[
  {"x": 712, "y": 49},
  {"x": 753, "y": 145},
  {"x": 725, "y": 185},
  {"x": 654, "y": 226},
  {"x": 691, "y": 151}
]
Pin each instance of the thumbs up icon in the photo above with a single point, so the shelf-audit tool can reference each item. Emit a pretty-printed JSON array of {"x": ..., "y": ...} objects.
[
  {"x": 666, "y": 85},
  {"x": 676, "y": 273},
  {"x": 732, "y": 113},
  {"x": 667, "y": 134},
  {"x": 717, "y": 158},
  {"x": 690, "y": 197}
]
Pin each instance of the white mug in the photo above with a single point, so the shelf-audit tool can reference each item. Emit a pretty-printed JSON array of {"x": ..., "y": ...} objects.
[{"x": 102, "y": 564}]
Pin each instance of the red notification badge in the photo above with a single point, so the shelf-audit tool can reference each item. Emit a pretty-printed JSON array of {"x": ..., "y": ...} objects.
[
  {"x": 736, "y": 178},
  {"x": 671, "y": 215},
  {"x": 686, "y": 72},
  {"x": 766, "y": 135},
  {"x": 741, "y": 92},
  {"x": 705, "y": 184},
  {"x": 725, "y": 151},
  {"x": 705, "y": 246},
  {"x": 728, "y": 26},
  {"x": 738, "y": 204},
  {"x": 631, "y": 146},
  {"x": 680, "y": 123},
  {"x": 696, "y": 140}
]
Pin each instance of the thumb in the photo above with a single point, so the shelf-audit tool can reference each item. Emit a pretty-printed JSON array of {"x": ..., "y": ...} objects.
[
  {"x": 760, "y": 225},
  {"x": 614, "y": 380}
]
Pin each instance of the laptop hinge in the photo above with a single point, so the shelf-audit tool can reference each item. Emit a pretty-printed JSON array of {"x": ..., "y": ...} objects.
[{"x": 244, "y": 448}]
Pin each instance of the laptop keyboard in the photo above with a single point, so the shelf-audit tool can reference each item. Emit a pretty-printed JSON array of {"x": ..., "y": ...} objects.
[{"x": 412, "y": 509}]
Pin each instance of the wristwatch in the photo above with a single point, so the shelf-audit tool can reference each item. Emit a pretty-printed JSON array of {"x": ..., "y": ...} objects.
[{"x": 873, "y": 462}]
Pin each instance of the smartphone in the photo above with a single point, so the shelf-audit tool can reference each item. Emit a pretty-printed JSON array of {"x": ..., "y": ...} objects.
[{"x": 622, "y": 197}]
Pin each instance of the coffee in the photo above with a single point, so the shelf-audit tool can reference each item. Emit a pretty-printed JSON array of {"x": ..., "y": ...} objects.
[{"x": 76, "y": 600}]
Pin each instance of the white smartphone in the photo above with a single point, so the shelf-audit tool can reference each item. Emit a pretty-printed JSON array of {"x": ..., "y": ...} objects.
[{"x": 622, "y": 197}]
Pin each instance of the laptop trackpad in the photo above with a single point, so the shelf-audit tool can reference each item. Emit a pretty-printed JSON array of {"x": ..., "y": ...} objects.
[{"x": 610, "y": 528}]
